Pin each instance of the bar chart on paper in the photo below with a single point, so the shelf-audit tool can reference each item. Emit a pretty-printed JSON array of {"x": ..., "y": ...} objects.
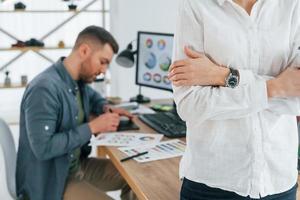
[{"x": 162, "y": 150}]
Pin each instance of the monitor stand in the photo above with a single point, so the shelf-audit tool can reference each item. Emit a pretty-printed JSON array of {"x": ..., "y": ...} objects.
[{"x": 140, "y": 98}]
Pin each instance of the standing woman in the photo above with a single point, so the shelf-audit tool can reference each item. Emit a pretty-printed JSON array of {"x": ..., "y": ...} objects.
[{"x": 237, "y": 86}]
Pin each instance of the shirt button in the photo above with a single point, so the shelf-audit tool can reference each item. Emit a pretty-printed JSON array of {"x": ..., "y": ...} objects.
[
  {"x": 46, "y": 128},
  {"x": 71, "y": 155},
  {"x": 76, "y": 117},
  {"x": 70, "y": 90}
]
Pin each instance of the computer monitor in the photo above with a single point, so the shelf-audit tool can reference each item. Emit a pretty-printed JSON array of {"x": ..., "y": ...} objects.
[{"x": 154, "y": 53}]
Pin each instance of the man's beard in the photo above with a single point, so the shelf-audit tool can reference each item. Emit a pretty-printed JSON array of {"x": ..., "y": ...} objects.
[{"x": 84, "y": 76}]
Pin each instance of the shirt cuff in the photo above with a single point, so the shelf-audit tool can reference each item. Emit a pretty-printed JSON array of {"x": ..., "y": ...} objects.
[
  {"x": 246, "y": 77},
  {"x": 258, "y": 88}
]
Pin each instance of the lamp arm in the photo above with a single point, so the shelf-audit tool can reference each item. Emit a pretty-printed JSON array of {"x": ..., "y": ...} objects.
[{"x": 129, "y": 46}]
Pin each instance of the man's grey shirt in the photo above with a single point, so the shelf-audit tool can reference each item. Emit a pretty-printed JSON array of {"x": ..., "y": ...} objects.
[{"x": 49, "y": 132}]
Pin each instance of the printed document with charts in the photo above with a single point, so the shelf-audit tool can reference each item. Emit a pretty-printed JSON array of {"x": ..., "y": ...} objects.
[
  {"x": 125, "y": 139},
  {"x": 162, "y": 150}
]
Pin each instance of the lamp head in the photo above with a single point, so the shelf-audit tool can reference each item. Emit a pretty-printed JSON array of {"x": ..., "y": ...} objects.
[{"x": 126, "y": 57}]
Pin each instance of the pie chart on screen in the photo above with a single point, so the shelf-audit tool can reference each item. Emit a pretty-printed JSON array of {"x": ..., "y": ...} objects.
[
  {"x": 166, "y": 80},
  {"x": 150, "y": 60},
  {"x": 164, "y": 62},
  {"x": 157, "y": 78},
  {"x": 147, "y": 76},
  {"x": 149, "y": 43},
  {"x": 161, "y": 44}
]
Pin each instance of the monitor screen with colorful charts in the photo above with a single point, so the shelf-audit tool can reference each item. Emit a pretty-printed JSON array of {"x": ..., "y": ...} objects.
[{"x": 154, "y": 53}]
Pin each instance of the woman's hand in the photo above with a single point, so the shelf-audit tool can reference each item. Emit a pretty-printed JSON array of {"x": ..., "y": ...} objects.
[
  {"x": 197, "y": 69},
  {"x": 121, "y": 112},
  {"x": 286, "y": 84}
]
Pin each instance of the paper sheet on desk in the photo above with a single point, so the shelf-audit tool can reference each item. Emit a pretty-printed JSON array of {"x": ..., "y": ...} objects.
[
  {"x": 125, "y": 139},
  {"x": 162, "y": 150},
  {"x": 142, "y": 110},
  {"x": 135, "y": 108}
]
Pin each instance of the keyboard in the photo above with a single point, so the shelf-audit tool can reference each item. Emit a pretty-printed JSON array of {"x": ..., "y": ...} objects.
[{"x": 167, "y": 123}]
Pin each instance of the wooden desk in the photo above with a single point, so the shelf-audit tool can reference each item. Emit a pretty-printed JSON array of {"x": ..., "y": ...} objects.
[{"x": 153, "y": 180}]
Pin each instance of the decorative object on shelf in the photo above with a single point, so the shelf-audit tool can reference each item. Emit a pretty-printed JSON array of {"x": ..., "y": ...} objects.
[
  {"x": 72, "y": 6},
  {"x": 24, "y": 80},
  {"x": 7, "y": 81},
  {"x": 61, "y": 44},
  {"x": 34, "y": 43},
  {"x": 19, "y": 44},
  {"x": 29, "y": 43},
  {"x": 20, "y": 6}
]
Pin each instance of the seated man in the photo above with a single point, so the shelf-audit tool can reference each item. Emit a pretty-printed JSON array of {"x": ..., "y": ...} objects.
[{"x": 52, "y": 161}]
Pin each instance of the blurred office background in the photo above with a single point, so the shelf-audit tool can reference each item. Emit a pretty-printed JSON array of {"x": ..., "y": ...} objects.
[{"x": 123, "y": 18}]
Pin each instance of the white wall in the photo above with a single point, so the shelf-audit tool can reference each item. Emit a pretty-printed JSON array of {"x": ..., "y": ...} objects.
[{"x": 128, "y": 17}]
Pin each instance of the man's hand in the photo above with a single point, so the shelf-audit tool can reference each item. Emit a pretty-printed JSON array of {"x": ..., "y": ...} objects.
[
  {"x": 121, "y": 112},
  {"x": 197, "y": 69},
  {"x": 107, "y": 122},
  {"x": 286, "y": 84}
]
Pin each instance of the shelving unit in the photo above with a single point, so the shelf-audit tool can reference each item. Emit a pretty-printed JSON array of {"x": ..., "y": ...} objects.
[
  {"x": 37, "y": 50},
  {"x": 24, "y": 50},
  {"x": 32, "y": 48},
  {"x": 2, "y": 86},
  {"x": 50, "y": 11}
]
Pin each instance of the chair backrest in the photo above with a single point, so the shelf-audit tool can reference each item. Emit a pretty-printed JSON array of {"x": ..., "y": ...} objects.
[{"x": 9, "y": 153}]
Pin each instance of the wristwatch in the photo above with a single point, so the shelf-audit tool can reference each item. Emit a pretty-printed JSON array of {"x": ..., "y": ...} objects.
[{"x": 233, "y": 79}]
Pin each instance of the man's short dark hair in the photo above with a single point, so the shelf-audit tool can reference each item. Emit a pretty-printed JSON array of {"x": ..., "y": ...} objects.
[{"x": 96, "y": 34}]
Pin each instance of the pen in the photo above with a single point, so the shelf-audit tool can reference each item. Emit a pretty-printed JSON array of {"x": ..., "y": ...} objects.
[{"x": 133, "y": 156}]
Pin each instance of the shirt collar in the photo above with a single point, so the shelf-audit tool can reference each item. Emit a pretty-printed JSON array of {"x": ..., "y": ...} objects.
[{"x": 65, "y": 76}]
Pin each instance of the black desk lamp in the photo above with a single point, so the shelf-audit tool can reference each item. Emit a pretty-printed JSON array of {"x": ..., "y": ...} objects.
[{"x": 126, "y": 59}]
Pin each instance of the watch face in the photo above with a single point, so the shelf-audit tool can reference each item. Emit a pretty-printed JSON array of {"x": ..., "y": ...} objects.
[{"x": 232, "y": 81}]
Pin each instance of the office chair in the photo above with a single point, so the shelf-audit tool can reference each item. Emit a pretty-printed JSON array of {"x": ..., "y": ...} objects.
[{"x": 9, "y": 154}]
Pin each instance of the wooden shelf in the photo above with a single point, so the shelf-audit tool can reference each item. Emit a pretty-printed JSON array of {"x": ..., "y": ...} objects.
[
  {"x": 2, "y": 86},
  {"x": 32, "y": 48},
  {"x": 52, "y": 11},
  {"x": 39, "y": 50}
]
